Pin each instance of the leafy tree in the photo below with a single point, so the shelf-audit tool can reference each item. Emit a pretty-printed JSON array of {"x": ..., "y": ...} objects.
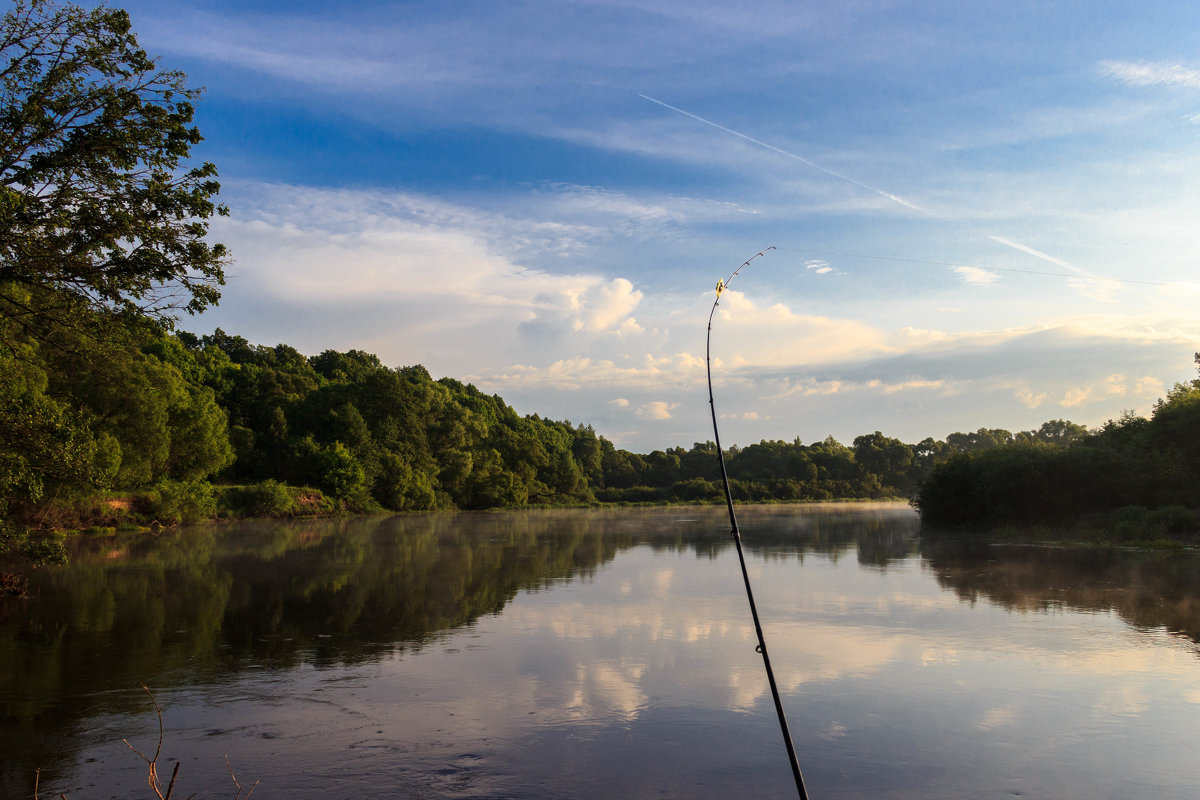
[
  {"x": 834, "y": 460},
  {"x": 44, "y": 443},
  {"x": 331, "y": 468},
  {"x": 352, "y": 366},
  {"x": 982, "y": 439},
  {"x": 94, "y": 207},
  {"x": 199, "y": 432},
  {"x": 885, "y": 457},
  {"x": 1060, "y": 432},
  {"x": 1061, "y": 472},
  {"x": 662, "y": 469},
  {"x": 622, "y": 469},
  {"x": 157, "y": 424},
  {"x": 589, "y": 454},
  {"x": 400, "y": 487}
]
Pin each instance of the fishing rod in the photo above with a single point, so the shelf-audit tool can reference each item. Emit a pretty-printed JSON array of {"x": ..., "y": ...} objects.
[{"x": 737, "y": 539}]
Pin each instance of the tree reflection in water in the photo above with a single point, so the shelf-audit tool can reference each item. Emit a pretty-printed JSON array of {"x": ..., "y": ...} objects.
[{"x": 194, "y": 606}]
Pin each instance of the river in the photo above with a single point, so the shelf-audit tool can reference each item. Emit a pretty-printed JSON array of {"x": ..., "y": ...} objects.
[{"x": 602, "y": 654}]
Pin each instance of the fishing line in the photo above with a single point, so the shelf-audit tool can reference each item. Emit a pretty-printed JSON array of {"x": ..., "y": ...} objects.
[{"x": 737, "y": 539}]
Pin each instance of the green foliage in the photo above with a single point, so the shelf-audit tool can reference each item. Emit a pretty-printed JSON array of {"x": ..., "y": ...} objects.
[
  {"x": 398, "y": 486},
  {"x": 1059, "y": 432},
  {"x": 161, "y": 412},
  {"x": 885, "y": 457},
  {"x": 269, "y": 498},
  {"x": 696, "y": 489},
  {"x": 1145, "y": 473},
  {"x": 172, "y": 503},
  {"x": 94, "y": 206},
  {"x": 1140, "y": 524},
  {"x": 103, "y": 238}
]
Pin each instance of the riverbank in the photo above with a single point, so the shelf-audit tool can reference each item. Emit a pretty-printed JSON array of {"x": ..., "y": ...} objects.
[
  {"x": 172, "y": 504},
  {"x": 169, "y": 505}
]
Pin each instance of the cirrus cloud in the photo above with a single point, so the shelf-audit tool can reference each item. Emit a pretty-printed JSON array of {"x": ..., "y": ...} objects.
[{"x": 1151, "y": 73}]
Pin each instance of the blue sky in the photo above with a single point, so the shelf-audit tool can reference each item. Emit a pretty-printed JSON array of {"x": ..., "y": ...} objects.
[{"x": 985, "y": 215}]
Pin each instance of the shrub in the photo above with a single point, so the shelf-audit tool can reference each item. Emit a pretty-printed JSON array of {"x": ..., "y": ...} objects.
[
  {"x": 171, "y": 503},
  {"x": 695, "y": 489},
  {"x": 267, "y": 499}
]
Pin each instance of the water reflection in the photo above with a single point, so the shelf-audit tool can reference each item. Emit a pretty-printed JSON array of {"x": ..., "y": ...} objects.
[
  {"x": 584, "y": 653},
  {"x": 1147, "y": 589}
]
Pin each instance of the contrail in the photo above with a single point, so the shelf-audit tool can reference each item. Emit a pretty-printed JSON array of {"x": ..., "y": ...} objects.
[
  {"x": 886, "y": 195},
  {"x": 1039, "y": 254}
]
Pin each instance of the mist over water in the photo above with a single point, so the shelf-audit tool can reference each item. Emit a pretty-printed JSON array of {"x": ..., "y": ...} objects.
[{"x": 603, "y": 654}]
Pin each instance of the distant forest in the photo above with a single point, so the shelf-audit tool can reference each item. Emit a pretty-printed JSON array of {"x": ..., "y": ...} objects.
[
  {"x": 119, "y": 409},
  {"x": 112, "y": 418}
]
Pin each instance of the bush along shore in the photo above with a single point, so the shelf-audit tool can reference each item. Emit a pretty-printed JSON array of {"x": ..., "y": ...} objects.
[{"x": 1134, "y": 480}]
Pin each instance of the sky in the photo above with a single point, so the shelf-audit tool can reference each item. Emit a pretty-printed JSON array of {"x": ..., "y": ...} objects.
[{"x": 983, "y": 214}]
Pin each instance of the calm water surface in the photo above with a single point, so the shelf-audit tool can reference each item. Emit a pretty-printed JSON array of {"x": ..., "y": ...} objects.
[{"x": 598, "y": 654}]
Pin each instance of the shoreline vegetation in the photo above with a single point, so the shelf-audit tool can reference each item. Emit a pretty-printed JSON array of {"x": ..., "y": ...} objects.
[
  {"x": 173, "y": 428},
  {"x": 1134, "y": 480}
]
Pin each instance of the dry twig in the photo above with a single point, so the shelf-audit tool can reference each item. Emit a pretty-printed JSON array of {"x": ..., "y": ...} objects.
[
  {"x": 37, "y": 780},
  {"x": 238, "y": 785},
  {"x": 152, "y": 763},
  {"x": 152, "y": 766}
]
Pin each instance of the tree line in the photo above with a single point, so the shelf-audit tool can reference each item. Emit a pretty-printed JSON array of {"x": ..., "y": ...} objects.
[
  {"x": 1141, "y": 473},
  {"x": 143, "y": 409}
]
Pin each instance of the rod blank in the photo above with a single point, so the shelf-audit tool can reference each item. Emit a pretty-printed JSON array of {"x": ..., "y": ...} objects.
[{"x": 761, "y": 648}]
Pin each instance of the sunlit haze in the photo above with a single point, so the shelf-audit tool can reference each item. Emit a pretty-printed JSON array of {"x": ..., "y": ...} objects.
[{"x": 985, "y": 215}]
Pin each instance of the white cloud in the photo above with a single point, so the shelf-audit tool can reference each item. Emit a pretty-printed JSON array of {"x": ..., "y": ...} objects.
[
  {"x": 977, "y": 276},
  {"x": 1114, "y": 386},
  {"x": 776, "y": 335},
  {"x": 605, "y": 306},
  {"x": 1101, "y": 290},
  {"x": 657, "y": 409},
  {"x": 471, "y": 293},
  {"x": 1149, "y": 386},
  {"x": 915, "y": 385},
  {"x": 1151, "y": 73},
  {"x": 909, "y": 338},
  {"x": 420, "y": 257},
  {"x": 1030, "y": 398}
]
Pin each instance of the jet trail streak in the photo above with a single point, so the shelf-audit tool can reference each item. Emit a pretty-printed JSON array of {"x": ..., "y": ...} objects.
[{"x": 886, "y": 195}]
